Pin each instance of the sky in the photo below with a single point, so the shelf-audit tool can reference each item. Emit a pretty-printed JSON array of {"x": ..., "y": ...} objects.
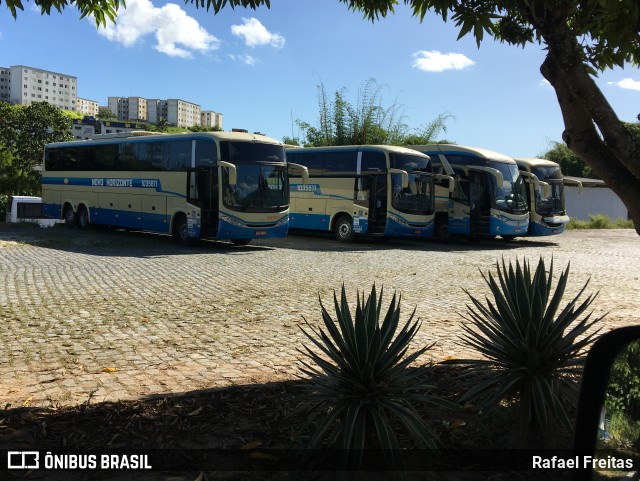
[{"x": 261, "y": 68}]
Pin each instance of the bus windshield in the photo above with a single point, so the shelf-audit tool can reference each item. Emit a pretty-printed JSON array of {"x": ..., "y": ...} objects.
[
  {"x": 259, "y": 188},
  {"x": 554, "y": 202},
  {"x": 511, "y": 195},
  {"x": 417, "y": 197},
  {"x": 234, "y": 152}
]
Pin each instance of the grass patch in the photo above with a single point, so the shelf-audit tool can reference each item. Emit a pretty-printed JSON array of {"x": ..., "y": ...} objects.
[{"x": 599, "y": 221}]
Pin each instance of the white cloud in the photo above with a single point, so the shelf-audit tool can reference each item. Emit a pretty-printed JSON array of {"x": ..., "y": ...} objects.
[
  {"x": 627, "y": 83},
  {"x": 248, "y": 60},
  {"x": 434, "y": 61},
  {"x": 177, "y": 34},
  {"x": 255, "y": 34},
  {"x": 245, "y": 59}
]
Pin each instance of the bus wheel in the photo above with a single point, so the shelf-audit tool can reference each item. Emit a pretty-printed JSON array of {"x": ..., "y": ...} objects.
[
  {"x": 442, "y": 230},
  {"x": 181, "y": 231},
  {"x": 83, "y": 218},
  {"x": 240, "y": 242},
  {"x": 343, "y": 229},
  {"x": 69, "y": 216}
]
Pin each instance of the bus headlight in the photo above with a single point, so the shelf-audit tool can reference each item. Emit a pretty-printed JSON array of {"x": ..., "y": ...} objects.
[
  {"x": 399, "y": 220},
  {"x": 282, "y": 221},
  {"x": 232, "y": 221}
]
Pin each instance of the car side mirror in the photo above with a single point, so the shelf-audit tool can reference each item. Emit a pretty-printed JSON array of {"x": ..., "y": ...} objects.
[{"x": 613, "y": 353}]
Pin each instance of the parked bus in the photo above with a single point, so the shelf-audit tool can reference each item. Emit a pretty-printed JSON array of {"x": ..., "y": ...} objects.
[
  {"x": 212, "y": 185},
  {"x": 377, "y": 190},
  {"x": 545, "y": 195},
  {"x": 489, "y": 197}
]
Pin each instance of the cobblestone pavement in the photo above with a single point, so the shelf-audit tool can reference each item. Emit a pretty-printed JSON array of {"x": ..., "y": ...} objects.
[{"x": 99, "y": 315}]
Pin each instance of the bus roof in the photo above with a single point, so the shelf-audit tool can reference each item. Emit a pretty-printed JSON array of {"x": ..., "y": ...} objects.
[
  {"x": 462, "y": 149},
  {"x": 232, "y": 136},
  {"x": 388, "y": 148},
  {"x": 535, "y": 161}
]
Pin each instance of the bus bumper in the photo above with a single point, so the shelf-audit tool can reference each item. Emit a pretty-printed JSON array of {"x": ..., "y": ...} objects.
[
  {"x": 397, "y": 227},
  {"x": 230, "y": 228}
]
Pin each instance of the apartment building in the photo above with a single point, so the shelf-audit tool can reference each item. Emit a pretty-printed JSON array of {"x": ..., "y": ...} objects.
[
  {"x": 87, "y": 107},
  {"x": 181, "y": 113},
  {"x": 129, "y": 108},
  {"x": 24, "y": 85},
  {"x": 209, "y": 118}
]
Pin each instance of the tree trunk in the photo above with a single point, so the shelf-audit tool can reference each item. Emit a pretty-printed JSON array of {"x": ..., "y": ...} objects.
[{"x": 592, "y": 129}]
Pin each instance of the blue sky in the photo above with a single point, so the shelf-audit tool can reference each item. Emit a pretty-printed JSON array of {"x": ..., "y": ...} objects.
[{"x": 261, "y": 68}]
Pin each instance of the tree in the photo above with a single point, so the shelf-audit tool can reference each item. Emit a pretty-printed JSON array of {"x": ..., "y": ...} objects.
[
  {"x": 570, "y": 163},
  {"x": 162, "y": 125},
  {"x": 24, "y": 131},
  {"x": 367, "y": 122},
  {"x": 103, "y": 10},
  {"x": 105, "y": 114}
]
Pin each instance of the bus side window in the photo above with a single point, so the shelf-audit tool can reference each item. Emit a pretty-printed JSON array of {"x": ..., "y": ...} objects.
[
  {"x": 340, "y": 161},
  {"x": 373, "y": 161},
  {"x": 179, "y": 155},
  {"x": 206, "y": 153}
]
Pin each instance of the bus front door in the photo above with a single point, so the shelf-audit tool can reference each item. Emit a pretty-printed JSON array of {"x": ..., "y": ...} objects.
[
  {"x": 377, "y": 185},
  {"x": 480, "y": 205},
  {"x": 206, "y": 197}
]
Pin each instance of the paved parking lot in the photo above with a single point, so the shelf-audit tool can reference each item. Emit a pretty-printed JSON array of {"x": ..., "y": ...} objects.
[{"x": 114, "y": 315}]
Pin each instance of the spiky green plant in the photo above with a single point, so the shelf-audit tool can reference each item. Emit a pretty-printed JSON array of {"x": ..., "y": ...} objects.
[
  {"x": 362, "y": 379},
  {"x": 533, "y": 352}
]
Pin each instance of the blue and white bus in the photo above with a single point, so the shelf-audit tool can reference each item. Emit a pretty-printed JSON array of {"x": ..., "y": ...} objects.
[
  {"x": 545, "y": 189},
  {"x": 489, "y": 198},
  {"x": 207, "y": 185},
  {"x": 374, "y": 190}
]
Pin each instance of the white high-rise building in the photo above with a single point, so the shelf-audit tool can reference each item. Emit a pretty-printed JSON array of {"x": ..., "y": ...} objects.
[
  {"x": 181, "y": 113},
  {"x": 209, "y": 118},
  {"x": 87, "y": 107},
  {"x": 24, "y": 85}
]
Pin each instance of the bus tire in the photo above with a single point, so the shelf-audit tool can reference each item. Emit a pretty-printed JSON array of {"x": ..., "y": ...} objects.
[
  {"x": 343, "y": 229},
  {"x": 240, "y": 242},
  {"x": 441, "y": 231},
  {"x": 181, "y": 230},
  {"x": 69, "y": 216},
  {"x": 82, "y": 218}
]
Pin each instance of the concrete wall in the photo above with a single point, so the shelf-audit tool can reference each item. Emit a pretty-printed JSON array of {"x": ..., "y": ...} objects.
[{"x": 593, "y": 200}]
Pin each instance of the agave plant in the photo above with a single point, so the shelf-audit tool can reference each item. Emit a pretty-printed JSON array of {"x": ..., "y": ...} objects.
[
  {"x": 362, "y": 379},
  {"x": 533, "y": 351}
]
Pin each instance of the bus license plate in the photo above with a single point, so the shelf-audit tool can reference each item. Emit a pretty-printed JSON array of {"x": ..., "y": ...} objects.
[
  {"x": 261, "y": 232},
  {"x": 417, "y": 232}
]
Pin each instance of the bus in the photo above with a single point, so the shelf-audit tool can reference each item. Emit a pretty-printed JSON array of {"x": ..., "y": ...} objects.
[
  {"x": 378, "y": 190},
  {"x": 489, "y": 198},
  {"x": 205, "y": 185},
  {"x": 545, "y": 195}
]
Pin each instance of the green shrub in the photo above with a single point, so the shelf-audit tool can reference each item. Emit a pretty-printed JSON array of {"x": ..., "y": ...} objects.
[
  {"x": 599, "y": 221},
  {"x": 533, "y": 355},
  {"x": 362, "y": 380}
]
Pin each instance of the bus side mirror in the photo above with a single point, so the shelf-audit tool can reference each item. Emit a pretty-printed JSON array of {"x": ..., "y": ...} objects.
[
  {"x": 299, "y": 170},
  {"x": 405, "y": 176},
  {"x": 451, "y": 181},
  {"x": 533, "y": 178},
  {"x": 233, "y": 172},
  {"x": 574, "y": 183},
  {"x": 546, "y": 189}
]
